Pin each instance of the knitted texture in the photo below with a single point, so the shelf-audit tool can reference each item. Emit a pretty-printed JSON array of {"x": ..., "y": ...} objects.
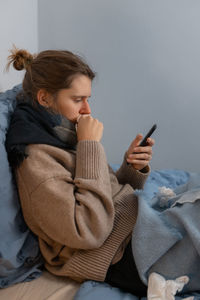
[{"x": 77, "y": 207}]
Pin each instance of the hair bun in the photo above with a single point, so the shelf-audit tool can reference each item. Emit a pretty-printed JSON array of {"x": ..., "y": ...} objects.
[{"x": 20, "y": 59}]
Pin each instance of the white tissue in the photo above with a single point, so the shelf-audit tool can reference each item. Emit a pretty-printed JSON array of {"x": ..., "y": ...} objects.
[
  {"x": 161, "y": 289},
  {"x": 164, "y": 194}
]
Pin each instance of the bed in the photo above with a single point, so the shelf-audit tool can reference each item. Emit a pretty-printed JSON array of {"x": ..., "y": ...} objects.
[
  {"x": 175, "y": 180},
  {"x": 50, "y": 287},
  {"x": 21, "y": 276},
  {"x": 47, "y": 286}
]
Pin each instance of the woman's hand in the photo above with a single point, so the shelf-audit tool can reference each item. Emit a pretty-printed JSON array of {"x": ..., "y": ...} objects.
[
  {"x": 89, "y": 128},
  {"x": 138, "y": 156}
]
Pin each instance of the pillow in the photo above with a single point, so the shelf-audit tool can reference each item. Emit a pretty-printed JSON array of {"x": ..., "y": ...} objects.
[{"x": 20, "y": 258}]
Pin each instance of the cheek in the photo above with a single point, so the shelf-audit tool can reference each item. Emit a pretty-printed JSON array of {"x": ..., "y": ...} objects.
[{"x": 71, "y": 112}]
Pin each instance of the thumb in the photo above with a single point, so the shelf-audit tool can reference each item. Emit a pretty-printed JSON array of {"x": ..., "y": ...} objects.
[{"x": 135, "y": 143}]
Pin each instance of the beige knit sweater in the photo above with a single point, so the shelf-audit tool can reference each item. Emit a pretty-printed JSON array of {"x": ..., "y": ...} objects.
[{"x": 81, "y": 211}]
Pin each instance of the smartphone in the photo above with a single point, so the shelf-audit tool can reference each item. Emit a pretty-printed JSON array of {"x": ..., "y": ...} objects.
[{"x": 144, "y": 141}]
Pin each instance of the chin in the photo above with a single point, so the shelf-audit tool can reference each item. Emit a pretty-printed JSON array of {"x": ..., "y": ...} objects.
[{"x": 73, "y": 120}]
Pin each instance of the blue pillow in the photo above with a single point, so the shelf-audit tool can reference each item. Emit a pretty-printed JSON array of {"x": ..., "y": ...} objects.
[{"x": 20, "y": 258}]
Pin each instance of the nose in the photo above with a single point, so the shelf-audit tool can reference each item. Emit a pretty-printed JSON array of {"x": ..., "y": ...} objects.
[{"x": 85, "y": 109}]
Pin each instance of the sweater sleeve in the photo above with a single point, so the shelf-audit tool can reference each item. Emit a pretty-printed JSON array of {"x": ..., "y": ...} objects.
[
  {"x": 76, "y": 211},
  {"x": 127, "y": 174}
]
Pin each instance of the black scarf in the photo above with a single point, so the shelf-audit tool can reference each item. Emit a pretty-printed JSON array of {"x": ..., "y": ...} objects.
[{"x": 36, "y": 125}]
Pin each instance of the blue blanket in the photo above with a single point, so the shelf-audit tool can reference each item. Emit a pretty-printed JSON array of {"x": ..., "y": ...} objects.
[
  {"x": 178, "y": 229},
  {"x": 20, "y": 258},
  {"x": 166, "y": 237}
]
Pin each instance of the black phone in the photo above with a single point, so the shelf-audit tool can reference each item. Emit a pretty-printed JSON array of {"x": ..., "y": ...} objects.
[{"x": 144, "y": 141}]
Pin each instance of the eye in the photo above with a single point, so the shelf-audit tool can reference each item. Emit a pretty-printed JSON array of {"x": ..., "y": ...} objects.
[{"x": 77, "y": 100}]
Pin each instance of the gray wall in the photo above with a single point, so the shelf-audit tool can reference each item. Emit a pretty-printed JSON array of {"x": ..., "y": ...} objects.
[
  {"x": 19, "y": 26},
  {"x": 147, "y": 56}
]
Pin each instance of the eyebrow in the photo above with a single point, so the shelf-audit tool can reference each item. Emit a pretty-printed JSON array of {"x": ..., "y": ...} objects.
[{"x": 80, "y": 96}]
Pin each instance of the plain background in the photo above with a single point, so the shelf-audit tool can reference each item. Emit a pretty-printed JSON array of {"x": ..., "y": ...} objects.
[
  {"x": 19, "y": 26},
  {"x": 147, "y": 57}
]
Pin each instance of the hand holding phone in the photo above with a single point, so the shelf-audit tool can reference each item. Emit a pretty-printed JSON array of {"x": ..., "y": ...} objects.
[
  {"x": 139, "y": 159},
  {"x": 144, "y": 141}
]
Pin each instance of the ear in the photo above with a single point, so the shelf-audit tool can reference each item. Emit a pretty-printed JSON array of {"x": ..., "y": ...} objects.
[{"x": 44, "y": 98}]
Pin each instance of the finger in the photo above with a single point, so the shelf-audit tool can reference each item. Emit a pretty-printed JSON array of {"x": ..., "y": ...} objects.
[
  {"x": 150, "y": 142},
  {"x": 135, "y": 143},
  {"x": 136, "y": 162},
  {"x": 85, "y": 116},
  {"x": 147, "y": 149},
  {"x": 138, "y": 139},
  {"x": 78, "y": 118},
  {"x": 140, "y": 156}
]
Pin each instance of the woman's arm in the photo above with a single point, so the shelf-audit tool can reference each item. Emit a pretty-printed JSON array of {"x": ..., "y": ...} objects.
[
  {"x": 135, "y": 167},
  {"x": 127, "y": 174},
  {"x": 75, "y": 210}
]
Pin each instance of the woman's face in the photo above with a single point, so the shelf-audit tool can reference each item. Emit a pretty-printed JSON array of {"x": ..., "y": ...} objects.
[{"x": 73, "y": 102}]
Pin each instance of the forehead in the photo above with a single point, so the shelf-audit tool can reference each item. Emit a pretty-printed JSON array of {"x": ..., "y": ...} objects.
[{"x": 81, "y": 85}]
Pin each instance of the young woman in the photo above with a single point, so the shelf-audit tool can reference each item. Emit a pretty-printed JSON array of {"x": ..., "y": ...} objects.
[{"x": 82, "y": 212}]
